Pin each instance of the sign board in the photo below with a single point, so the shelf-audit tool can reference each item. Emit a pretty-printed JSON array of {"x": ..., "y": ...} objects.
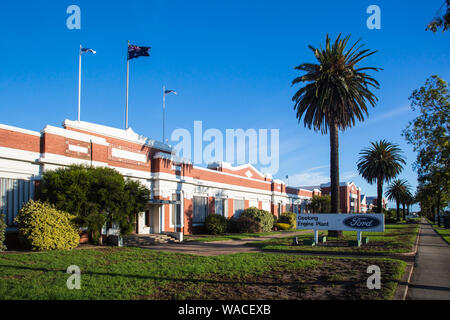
[{"x": 343, "y": 221}]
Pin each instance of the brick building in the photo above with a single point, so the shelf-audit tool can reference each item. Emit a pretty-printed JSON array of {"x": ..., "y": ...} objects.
[
  {"x": 349, "y": 194},
  {"x": 182, "y": 194}
]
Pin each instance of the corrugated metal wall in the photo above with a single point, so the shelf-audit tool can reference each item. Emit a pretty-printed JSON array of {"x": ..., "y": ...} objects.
[{"x": 14, "y": 193}]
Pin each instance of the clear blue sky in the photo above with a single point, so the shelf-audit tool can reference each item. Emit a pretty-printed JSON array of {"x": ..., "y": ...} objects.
[{"x": 230, "y": 61}]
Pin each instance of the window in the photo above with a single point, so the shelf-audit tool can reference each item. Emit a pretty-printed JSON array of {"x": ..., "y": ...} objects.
[
  {"x": 14, "y": 193},
  {"x": 200, "y": 209},
  {"x": 238, "y": 208},
  {"x": 176, "y": 209},
  {"x": 221, "y": 207},
  {"x": 148, "y": 218},
  {"x": 279, "y": 209}
]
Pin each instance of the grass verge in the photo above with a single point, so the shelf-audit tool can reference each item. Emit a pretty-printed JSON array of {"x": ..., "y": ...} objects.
[
  {"x": 134, "y": 273},
  {"x": 397, "y": 238},
  {"x": 444, "y": 233}
]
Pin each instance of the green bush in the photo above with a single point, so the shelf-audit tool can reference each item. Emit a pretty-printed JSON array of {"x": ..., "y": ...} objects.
[
  {"x": 288, "y": 218},
  {"x": 283, "y": 226},
  {"x": 2, "y": 232},
  {"x": 215, "y": 224},
  {"x": 263, "y": 218},
  {"x": 248, "y": 224},
  {"x": 232, "y": 225},
  {"x": 43, "y": 227},
  {"x": 96, "y": 195}
]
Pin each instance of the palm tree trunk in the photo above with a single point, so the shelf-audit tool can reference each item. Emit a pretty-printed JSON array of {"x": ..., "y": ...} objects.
[
  {"x": 334, "y": 174},
  {"x": 398, "y": 211},
  {"x": 404, "y": 211},
  {"x": 379, "y": 195}
]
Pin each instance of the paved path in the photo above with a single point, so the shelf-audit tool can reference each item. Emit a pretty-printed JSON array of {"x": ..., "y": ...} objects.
[
  {"x": 214, "y": 248},
  {"x": 431, "y": 275}
]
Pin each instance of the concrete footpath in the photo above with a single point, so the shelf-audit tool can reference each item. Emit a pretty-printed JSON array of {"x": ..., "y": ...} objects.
[
  {"x": 215, "y": 248},
  {"x": 431, "y": 274}
]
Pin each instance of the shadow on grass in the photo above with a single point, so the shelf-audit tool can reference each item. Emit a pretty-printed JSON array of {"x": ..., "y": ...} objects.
[
  {"x": 188, "y": 280},
  {"x": 322, "y": 281}
]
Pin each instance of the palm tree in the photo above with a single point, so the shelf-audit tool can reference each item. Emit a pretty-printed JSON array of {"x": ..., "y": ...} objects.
[
  {"x": 335, "y": 95},
  {"x": 396, "y": 192},
  {"x": 381, "y": 162},
  {"x": 406, "y": 199}
]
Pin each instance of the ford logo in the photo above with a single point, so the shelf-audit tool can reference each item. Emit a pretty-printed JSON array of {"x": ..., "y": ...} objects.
[{"x": 363, "y": 222}]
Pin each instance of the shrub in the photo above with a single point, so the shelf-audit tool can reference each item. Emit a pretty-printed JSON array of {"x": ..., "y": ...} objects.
[
  {"x": 2, "y": 232},
  {"x": 247, "y": 224},
  {"x": 43, "y": 227},
  {"x": 232, "y": 225},
  {"x": 283, "y": 226},
  {"x": 262, "y": 217},
  {"x": 96, "y": 195},
  {"x": 288, "y": 218},
  {"x": 215, "y": 224}
]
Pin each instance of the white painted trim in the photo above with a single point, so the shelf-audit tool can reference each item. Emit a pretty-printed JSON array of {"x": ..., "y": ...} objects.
[
  {"x": 126, "y": 135},
  {"x": 75, "y": 135},
  {"x": 67, "y": 161},
  {"x": 75, "y": 148},
  {"x": 18, "y": 154},
  {"x": 5, "y": 173},
  {"x": 231, "y": 175},
  {"x": 20, "y": 130},
  {"x": 147, "y": 175},
  {"x": 129, "y": 155},
  {"x": 227, "y": 165},
  {"x": 212, "y": 184}
]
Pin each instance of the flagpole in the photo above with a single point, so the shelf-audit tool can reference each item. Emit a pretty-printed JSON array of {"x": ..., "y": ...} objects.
[
  {"x": 164, "y": 114},
  {"x": 128, "y": 69},
  {"x": 79, "y": 82}
]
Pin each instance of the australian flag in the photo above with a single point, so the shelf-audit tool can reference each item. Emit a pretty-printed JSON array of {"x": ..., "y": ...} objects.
[{"x": 137, "y": 51}]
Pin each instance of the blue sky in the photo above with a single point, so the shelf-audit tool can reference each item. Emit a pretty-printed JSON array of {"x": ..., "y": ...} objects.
[{"x": 231, "y": 63}]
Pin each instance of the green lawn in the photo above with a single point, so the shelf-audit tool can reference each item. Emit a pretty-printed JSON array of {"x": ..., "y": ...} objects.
[
  {"x": 397, "y": 238},
  {"x": 444, "y": 233},
  {"x": 231, "y": 236},
  {"x": 134, "y": 273}
]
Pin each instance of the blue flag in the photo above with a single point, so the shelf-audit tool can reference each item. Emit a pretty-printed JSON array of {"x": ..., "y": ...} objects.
[{"x": 137, "y": 51}]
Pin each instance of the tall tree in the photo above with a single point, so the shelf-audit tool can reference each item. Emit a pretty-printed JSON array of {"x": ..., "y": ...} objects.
[
  {"x": 396, "y": 192},
  {"x": 335, "y": 95},
  {"x": 441, "y": 19},
  {"x": 96, "y": 195},
  {"x": 380, "y": 163},
  {"x": 429, "y": 135},
  {"x": 406, "y": 199},
  {"x": 320, "y": 204}
]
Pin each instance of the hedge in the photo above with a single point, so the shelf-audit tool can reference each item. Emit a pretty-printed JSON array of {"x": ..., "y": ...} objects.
[
  {"x": 288, "y": 218},
  {"x": 263, "y": 218},
  {"x": 43, "y": 227},
  {"x": 283, "y": 226},
  {"x": 248, "y": 224},
  {"x": 2, "y": 232},
  {"x": 215, "y": 224}
]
